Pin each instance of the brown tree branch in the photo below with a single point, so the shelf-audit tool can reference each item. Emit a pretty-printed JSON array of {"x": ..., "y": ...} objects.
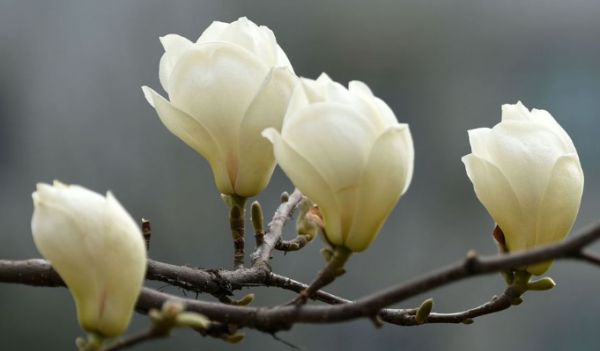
[{"x": 39, "y": 273}]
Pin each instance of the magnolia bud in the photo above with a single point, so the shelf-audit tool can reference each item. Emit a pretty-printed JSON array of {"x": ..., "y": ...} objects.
[
  {"x": 345, "y": 150},
  {"x": 527, "y": 174},
  {"x": 96, "y": 248},
  {"x": 224, "y": 90}
]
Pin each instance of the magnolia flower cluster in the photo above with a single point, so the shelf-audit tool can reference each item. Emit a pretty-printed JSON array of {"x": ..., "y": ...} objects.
[
  {"x": 342, "y": 148},
  {"x": 234, "y": 98}
]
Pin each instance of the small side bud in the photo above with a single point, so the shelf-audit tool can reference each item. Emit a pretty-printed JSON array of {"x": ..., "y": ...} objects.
[
  {"x": 192, "y": 320},
  {"x": 257, "y": 218},
  {"x": 424, "y": 311},
  {"x": 285, "y": 197},
  {"x": 171, "y": 309},
  {"x": 326, "y": 253},
  {"x": 80, "y": 343},
  {"x": 235, "y": 338},
  {"x": 305, "y": 226},
  {"x": 246, "y": 300},
  {"x": 468, "y": 321},
  {"x": 541, "y": 285}
]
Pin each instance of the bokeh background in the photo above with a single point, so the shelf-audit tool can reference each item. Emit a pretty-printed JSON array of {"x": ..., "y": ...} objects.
[{"x": 71, "y": 108}]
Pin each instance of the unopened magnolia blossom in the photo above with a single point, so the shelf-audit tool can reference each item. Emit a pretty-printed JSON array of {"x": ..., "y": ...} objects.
[
  {"x": 224, "y": 89},
  {"x": 345, "y": 150},
  {"x": 96, "y": 248},
  {"x": 527, "y": 174}
]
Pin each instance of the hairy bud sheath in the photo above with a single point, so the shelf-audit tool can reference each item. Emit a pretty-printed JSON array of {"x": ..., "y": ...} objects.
[
  {"x": 96, "y": 248},
  {"x": 526, "y": 172}
]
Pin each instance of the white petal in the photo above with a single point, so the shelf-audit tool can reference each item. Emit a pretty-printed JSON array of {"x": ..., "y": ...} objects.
[
  {"x": 305, "y": 92},
  {"x": 249, "y": 36},
  {"x": 526, "y": 155},
  {"x": 282, "y": 59},
  {"x": 175, "y": 46},
  {"x": 386, "y": 113},
  {"x": 386, "y": 176},
  {"x": 194, "y": 135},
  {"x": 497, "y": 195},
  {"x": 372, "y": 106},
  {"x": 257, "y": 161},
  {"x": 543, "y": 117},
  {"x": 335, "y": 139},
  {"x": 124, "y": 260},
  {"x": 311, "y": 183},
  {"x": 517, "y": 112},
  {"x": 215, "y": 83},
  {"x": 478, "y": 138},
  {"x": 324, "y": 78},
  {"x": 559, "y": 205},
  {"x": 213, "y": 32}
]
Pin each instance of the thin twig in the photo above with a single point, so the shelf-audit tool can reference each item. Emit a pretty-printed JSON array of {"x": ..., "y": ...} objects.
[
  {"x": 262, "y": 255},
  {"x": 291, "y": 245},
  {"x": 134, "y": 340},
  {"x": 589, "y": 257}
]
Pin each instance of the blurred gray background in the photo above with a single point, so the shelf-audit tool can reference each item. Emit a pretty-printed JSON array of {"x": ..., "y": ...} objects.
[{"x": 71, "y": 108}]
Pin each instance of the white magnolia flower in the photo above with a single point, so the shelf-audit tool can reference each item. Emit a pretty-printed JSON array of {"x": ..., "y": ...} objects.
[
  {"x": 224, "y": 90},
  {"x": 527, "y": 174},
  {"x": 345, "y": 150},
  {"x": 96, "y": 248}
]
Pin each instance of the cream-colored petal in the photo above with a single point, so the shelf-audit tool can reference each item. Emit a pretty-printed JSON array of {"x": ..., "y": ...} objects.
[
  {"x": 269, "y": 44},
  {"x": 215, "y": 83},
  {"x": 543, "y": 117},
  {"x": 257, "y": 161},
  {"x": 213, "y": 32},
  {"x": 478, "y": 138},
  {"x": 194, "y": 135},
  {"x": 319, "y": 133},
  {"x": 497, "y": 195},
  {"x": 305, "y": 93},
  {"x": 517, "y": 112},
  {"x": 526, "y": 155},
  {"x": 336, "y": 140},
  {"x": 324, "y": 78},
  {"x": 337, "y": 93},
  {"x": 249, "y": 36},
  {"x": 385, "y": 178},
  {"x": 124, "y": 268},
  {"x": 559, "y": 205},
  {"x": 386, "y": 113},
  {"x": 311, "y": 183},
  {"x": 61, "y": 237},
  {"x": 372, "y": 106},
  {"x": 282, "y": 59},
  {"x": 175, "y": 46}
]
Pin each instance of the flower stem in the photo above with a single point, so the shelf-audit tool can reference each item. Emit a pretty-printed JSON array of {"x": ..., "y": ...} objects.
[
  {"x": 237, "y": 222},
  {"x": 334, "y": 269}
]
